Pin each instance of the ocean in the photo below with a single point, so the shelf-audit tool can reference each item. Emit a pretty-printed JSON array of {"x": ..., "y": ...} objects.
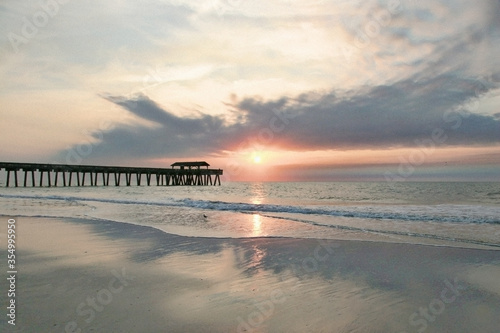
[
  {"x": 256, "y": 257},
  {"x": 456, "y": 214}
]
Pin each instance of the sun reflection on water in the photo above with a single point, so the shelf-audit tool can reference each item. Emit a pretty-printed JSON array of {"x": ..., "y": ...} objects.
[
  {"x": 258, "y": 193},
  {"x": 256, "y": 230},
  {"x": 258, "y": 196}
]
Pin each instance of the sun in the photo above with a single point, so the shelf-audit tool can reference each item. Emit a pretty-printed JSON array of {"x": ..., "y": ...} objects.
[{"x": 257, "y": 159}]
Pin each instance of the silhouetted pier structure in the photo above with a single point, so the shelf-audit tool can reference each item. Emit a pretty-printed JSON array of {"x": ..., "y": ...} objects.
[{"x": 187, "y": 173}]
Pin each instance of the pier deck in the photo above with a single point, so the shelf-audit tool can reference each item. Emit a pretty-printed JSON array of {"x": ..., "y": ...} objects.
[{"x": 76, "y": 175}]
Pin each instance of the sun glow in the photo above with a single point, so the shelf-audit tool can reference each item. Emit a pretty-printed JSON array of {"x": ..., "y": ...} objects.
[{"x": 257, "y": 159}]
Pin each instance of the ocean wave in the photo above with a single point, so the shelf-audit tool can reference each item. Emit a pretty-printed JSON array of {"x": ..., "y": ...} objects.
[
  {"x": 439, "y": 213},
  {"x": 446, "y": 214}
]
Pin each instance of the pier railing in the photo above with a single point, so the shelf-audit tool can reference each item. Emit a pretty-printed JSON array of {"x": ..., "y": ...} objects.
[{"x": 81, "y": 175}]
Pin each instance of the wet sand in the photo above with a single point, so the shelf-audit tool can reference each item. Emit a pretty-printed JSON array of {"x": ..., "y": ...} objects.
[{"x": 97, "y": 276}]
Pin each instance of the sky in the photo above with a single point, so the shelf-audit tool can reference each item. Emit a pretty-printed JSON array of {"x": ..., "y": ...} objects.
[{"x": 275, "y": 90}]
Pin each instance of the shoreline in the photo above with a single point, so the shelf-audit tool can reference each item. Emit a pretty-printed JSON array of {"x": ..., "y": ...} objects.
[
  {"x": 434, "y": 241},
  {"x": 113, "y": 276},
  {"x": 371, "y": 237}
]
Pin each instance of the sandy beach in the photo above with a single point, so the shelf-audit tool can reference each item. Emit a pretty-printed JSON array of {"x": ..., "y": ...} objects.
[{"x": 98, "y": 276}]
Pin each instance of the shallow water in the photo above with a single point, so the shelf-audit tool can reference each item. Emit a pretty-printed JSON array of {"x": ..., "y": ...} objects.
[{"x": 457, "y": 214}]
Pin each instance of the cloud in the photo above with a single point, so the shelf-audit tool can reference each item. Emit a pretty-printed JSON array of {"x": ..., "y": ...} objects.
[
  {"x": 417, "y": 74},
  {"x": 382, "y": 117},
  {"x": 170, "y": 135}
]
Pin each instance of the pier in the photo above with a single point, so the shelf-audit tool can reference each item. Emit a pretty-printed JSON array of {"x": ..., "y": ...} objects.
[{"x": 39, "y": 174}]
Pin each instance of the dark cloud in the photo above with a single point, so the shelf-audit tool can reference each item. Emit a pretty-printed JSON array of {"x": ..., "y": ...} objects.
[{"x": 383, "y": 117}]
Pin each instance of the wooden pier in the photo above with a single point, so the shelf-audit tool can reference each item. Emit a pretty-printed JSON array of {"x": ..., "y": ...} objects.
[{"x": 187, "y": 173}]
